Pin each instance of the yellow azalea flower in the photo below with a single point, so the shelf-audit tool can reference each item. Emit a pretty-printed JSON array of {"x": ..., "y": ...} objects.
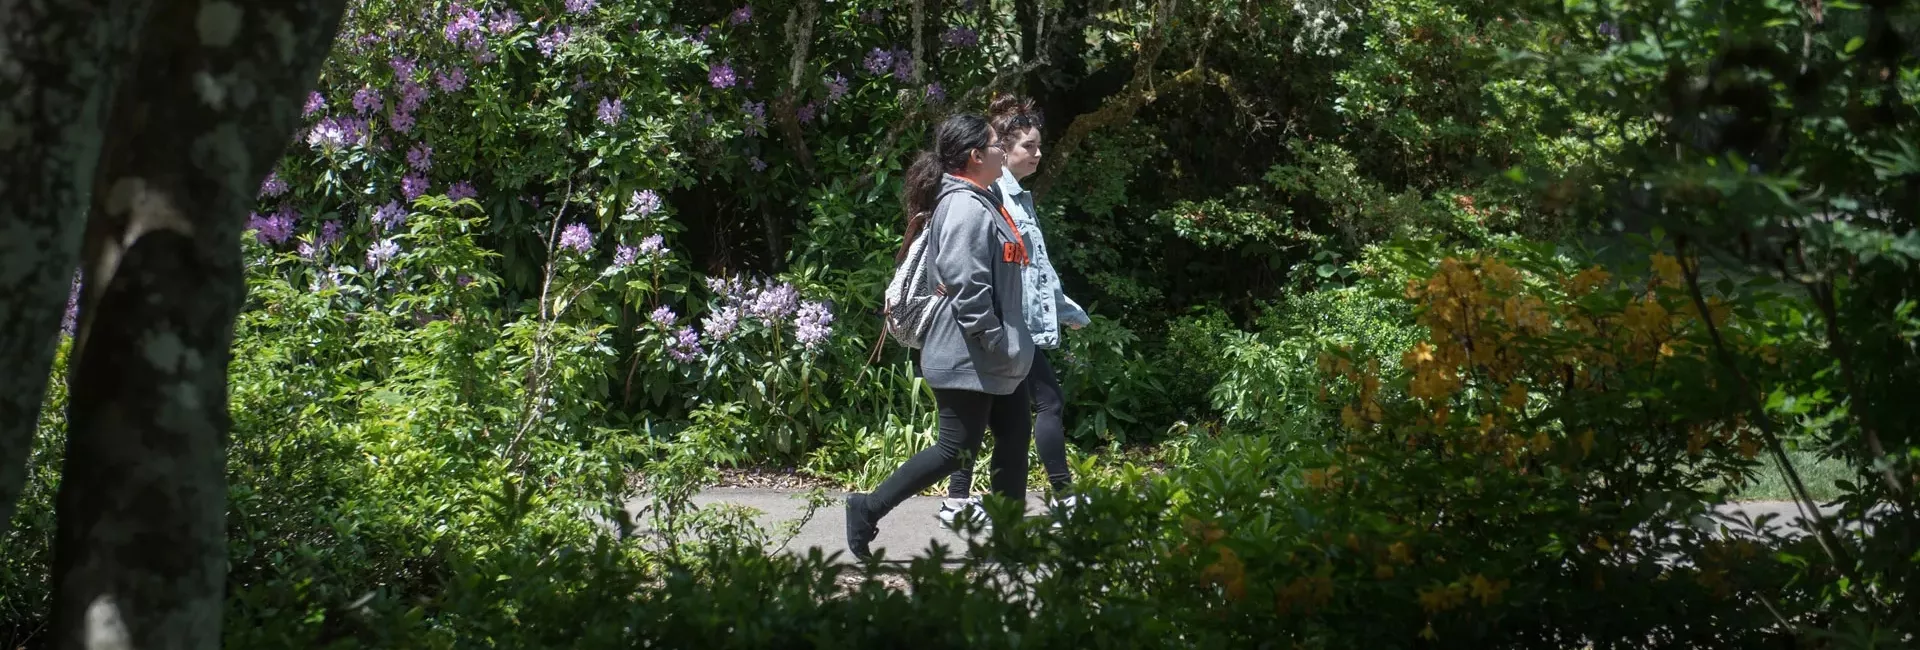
[
  {"x": 1383, "y": 572},
  {"x": 1228, "y": 572},
  {"x": 1516, "y": 397},
  {"x": 1350, "y": 418},
  {"x": 1400, "y": 552},
  {"x": 1487, "y": 591},
  {"x": 1667, "y": 268},
  {"x": 1586, "y": 442},
  {"x": 1428, "y": 633},
  {"x": 1586, "y": 281},
  {"x": 1422, "y": 352}
]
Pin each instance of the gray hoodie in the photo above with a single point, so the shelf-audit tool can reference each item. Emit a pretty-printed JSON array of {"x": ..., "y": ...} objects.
[{"x": 979, "y": 342}]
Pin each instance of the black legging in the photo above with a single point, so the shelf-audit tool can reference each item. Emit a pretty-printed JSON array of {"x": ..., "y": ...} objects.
[
  {"x": 1049, "y": 432},
  {"x": 965, "y": 417}
]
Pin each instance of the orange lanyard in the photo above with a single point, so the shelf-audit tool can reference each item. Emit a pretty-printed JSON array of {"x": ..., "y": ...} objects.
[{"x": 1015, "y": 251}]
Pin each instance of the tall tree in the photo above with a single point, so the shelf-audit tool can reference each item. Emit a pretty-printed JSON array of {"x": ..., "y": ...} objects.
[
  {"x": 58, "y": 64},
  {"x": 210, "y": 99}
]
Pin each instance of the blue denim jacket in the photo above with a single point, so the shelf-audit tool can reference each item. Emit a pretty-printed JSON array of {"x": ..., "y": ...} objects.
[{"x": 1047, "y": 306}]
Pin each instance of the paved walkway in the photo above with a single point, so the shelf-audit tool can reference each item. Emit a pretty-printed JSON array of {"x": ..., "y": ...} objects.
[{"x": 911, "y": 530}]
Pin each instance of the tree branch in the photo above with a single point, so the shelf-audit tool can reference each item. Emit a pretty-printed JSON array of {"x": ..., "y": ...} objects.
[
  {"x": 1809, "y": 508},
  {"x": 141, "y": 539},
  {"x": 61, "y": 87},
  {"x": 1118, "y": 109},
  {"x": 800, "y": 23}
]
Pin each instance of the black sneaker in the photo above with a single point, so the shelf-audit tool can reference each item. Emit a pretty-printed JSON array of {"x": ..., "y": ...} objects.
[{"x": 860, "y": 527}]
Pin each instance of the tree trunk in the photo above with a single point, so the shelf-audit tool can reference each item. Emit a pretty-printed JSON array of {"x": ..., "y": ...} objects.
[
  {"x": 58, "y": 62},
  {"x": 209, "y": 103}
]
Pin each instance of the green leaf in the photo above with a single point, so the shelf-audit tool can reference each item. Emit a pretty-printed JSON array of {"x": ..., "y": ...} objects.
[
  {"x": 1325, "y": 270},
  {"x": 1854, "y": 44}
]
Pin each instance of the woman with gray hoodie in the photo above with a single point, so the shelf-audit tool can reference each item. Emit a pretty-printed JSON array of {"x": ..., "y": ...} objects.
[
  {"x": 977, "y": 350},
  {"x": 1015, "y": 120}
]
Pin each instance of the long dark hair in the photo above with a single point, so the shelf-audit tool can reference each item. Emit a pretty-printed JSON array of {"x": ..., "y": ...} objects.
[{"x": 954, "y": 141}]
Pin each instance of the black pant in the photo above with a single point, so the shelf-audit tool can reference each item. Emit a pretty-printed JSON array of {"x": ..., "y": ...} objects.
[
  {"x": 965, "y": 417},
  {"x": 1049, "y": 432}
]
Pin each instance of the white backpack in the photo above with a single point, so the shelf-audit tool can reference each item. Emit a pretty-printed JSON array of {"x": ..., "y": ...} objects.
[{"x": 912, "y": 294}]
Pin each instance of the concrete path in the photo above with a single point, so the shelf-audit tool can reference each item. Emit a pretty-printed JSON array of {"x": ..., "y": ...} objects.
[
  {"x": 911, "y": 530},
  {"x": 908, "y": 532}
]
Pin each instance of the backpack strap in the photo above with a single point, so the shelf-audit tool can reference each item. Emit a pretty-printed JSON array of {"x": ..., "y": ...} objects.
[{"x": 932, "y": 253}]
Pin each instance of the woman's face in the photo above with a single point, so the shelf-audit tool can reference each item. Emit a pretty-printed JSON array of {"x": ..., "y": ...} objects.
[
  {"x": 985, "y": 163},
  {"x": 1023, "y": 153}
]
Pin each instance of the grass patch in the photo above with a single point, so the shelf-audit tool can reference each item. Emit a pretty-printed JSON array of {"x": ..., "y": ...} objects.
[{"x": 1770, "y": 484}]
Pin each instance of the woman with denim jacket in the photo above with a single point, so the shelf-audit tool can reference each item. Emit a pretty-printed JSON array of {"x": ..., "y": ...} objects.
[{"x": 1047, "y": 308}]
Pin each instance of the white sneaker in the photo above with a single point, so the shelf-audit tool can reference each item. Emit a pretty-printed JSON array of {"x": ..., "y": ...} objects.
[
  {"x": 951, "y": 509},
  {"x": 1063, "y": 508}
]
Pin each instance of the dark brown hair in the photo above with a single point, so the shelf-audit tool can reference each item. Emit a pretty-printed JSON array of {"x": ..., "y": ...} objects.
[
  {"x": 1011, "y": 114},
  {"x": 954, "y": 142}
]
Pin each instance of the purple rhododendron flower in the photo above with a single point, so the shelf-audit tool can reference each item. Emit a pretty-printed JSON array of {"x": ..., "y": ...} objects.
[
  {"x": 366, "y": 100},
  {"x": 412, "y": 95},
  {"x": 463, "y": 24},
  {"x": 307, "y": 251},
  {"x": 504, "y": 21},
  {"x": 654, "y": 246},
  {"x": 389, "y": 216},
  {"x": 315, "y": 104},
  {"x": 961, "y": 37},
  {"x": 262, "y": 228},
  {"x": 721, "y": 77},
  {"x": 581, "y": 6},
  {"x": 805, "y": 113},
  {"x": 611, "y": 110},
  {"x": 813, "y": 325},
  {"x": 273, "y": 186},
  {"x": 686, "y": 346},
  {"x": 644, "y": 202},
  {"x": 329, "y": 233},
  {"x": 403, "y": 67},
  {"x": 452, "y": 81},
  {"x": 401, "y": 121},
  {"x": 413, "y": 186},
  {"x": 663, "y": 316},
  {"x": 462, "y": 190},
  {"x": 554, "y": 41},
  {"x": 624, "y": 256},
  {"x": 878, "y": 61},
  {"x": 721, "y": 323},
  {"x": 381, "y": 252},
  {"x": 936, "y": 93},
  {"x": 773, "y": 303},
  {"x": 742, "y": 15},
  {"x": 836, "y": 87},
  {"x": 275, "y": 229},
  {"x": 757, "y": 164},
  {"x": 756, "y": 116},
  {"x": 420, "y": 157},
  {"x": 902, "y": 65},
  {"x": 577, "y": 238},
  {"x": 337, "y": 133}
]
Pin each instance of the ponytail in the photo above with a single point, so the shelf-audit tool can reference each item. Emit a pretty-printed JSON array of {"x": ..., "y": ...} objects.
[
  {"x": 954, "y": 140},
  {"x": 923, "y": 189}
]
